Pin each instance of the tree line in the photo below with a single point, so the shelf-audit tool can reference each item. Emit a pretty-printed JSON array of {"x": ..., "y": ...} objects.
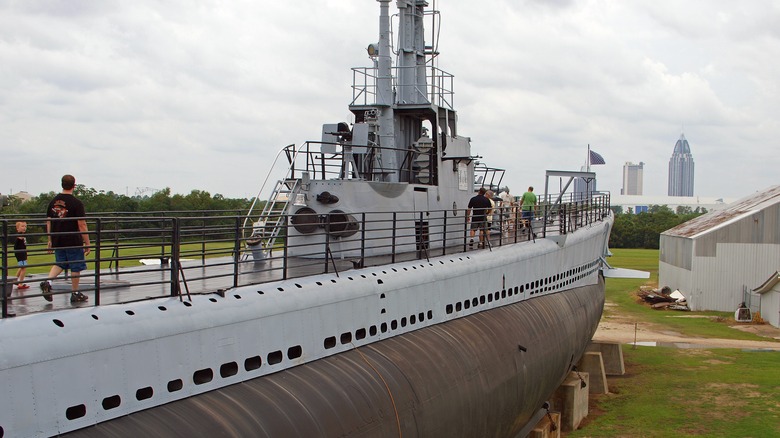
[
  {"x": 643, "y": 230},
  {"x": 97, "y": 201}
]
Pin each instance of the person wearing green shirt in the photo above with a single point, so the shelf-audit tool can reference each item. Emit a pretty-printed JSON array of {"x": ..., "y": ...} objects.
[{"x": 528, "y": 205}]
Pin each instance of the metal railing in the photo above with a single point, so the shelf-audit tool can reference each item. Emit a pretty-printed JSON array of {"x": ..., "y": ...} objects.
[
  {"x": 439, "y": 86},
  {"x": 312, "y": 159},
  {"x": 208, "y": 254}
]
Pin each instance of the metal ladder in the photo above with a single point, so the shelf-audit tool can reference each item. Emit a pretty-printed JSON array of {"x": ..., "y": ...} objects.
[{"x": 273, "y": 217}]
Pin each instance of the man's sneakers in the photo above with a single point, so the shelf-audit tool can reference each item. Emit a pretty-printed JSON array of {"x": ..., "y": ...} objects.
[
  {"x": 46, "y": 288},
  {"x": 23, "y": 286},
  {"x": 75, "y": 297},
  {"x": 78, "y": 297},
  {"x": 471, "y": 243}
]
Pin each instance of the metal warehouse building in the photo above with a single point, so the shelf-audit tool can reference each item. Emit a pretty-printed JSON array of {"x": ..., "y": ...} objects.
[{"x": 718, "y": 258}]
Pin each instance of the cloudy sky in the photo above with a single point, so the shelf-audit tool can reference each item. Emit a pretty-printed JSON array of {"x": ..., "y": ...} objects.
[{"x": 202, "y": 94}]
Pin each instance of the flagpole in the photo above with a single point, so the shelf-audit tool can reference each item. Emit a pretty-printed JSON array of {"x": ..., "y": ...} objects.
[{"x": 588, "y": 160}]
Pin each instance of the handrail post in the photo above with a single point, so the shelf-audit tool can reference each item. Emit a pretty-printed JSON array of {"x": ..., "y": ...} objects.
[
  {"x": 98, "y": 240},
  {"x": 236, "y": 250},
  {"x": 363, "y": 238},
  {"x": 115, "y": 252},
  {"x": 392, "y": 246},
  {"x": 5, "y": 269},
  {"x": 500, "y": 226},
  {"x": 419, "y": 232},
  {"x": 174, "y": 265},
  {"x": 444, "y": 235},
  {"x": 285, "y": 244},
  {"x": 327, "y": 241},
  {"x": 203, "y": 241},
  {"x": 465, "y": 228}
]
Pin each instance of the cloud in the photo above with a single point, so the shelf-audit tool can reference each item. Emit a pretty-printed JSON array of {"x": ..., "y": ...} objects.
[{"x": 202, "y": 94}]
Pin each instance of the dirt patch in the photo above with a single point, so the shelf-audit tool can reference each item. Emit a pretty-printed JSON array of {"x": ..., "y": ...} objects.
[{"x": 614, "y": 328}]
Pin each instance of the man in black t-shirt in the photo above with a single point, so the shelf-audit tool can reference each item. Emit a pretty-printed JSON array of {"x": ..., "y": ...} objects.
[
  {"x": 479, "y": 205},
  {"x": 68, "y": 238}
]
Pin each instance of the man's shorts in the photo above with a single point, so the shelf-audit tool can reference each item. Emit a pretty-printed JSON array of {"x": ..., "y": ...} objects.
[
  {"x": 72, "y": 258},
  {"x": 478, "y": 223},
  {"x": 21, "y": 263},
  {"x": 528, "y": 214}
]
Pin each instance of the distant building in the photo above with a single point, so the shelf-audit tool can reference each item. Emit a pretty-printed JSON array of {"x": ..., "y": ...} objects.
[
  {"x": 23, "y": 196},
  {"x": 632, "y": 178},
  {"x": 716, "y": 260},
  {"x": 681, "y": 169}
]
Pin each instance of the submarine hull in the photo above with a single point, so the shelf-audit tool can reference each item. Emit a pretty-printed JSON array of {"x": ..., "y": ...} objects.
[{"x": 481, "y": 375}]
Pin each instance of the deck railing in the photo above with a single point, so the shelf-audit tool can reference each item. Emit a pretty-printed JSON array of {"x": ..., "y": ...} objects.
[{"x": 210, "y": 254}]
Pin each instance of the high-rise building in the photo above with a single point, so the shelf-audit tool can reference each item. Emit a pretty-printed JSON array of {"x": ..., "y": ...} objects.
[
  {"x": 681, "y": 169},
  {"x": 632, "y": 178}
]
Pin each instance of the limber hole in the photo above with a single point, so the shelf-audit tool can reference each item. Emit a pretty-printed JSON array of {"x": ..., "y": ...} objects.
[
  {"x": 203, "y": 376},
  {"x": 252, "y": 363},
  {"x": 175, "y": 385},
  {"x": 144, "y": 393},
  {"x": 228, "y": 369},
  {"x": 75, "y": 412}
]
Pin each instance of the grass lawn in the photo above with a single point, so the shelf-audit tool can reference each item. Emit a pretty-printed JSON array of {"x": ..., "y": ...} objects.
[
  {"x": 669, "y": 392},
  {"x": 40, "y": 261}
]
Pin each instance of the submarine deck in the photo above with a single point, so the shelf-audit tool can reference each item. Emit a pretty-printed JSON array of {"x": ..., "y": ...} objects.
[{"x": 197, "y": 255}]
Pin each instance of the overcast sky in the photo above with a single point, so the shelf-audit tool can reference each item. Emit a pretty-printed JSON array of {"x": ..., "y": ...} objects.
[{"x": 201, "y": 94}]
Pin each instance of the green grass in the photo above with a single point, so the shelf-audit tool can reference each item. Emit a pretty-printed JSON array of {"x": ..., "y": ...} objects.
[
  {"x": 669, "y": 392},
  {"x": 40, "y": 261}
]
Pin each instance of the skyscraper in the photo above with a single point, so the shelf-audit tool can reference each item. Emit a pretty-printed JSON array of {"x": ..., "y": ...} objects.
[
  {"x": 632, "y": 178},
  {"x": 681, "y": 169}
]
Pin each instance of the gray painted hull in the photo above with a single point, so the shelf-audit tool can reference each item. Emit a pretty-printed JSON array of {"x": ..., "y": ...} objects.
[{"x": 466, "y": 377}]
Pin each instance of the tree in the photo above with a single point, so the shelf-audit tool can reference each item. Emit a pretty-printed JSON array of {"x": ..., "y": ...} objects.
[{"x": 644, "y": 230}]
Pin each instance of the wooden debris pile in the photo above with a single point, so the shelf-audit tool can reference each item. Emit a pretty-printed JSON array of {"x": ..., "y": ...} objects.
[{"x": 663, "y": 298}]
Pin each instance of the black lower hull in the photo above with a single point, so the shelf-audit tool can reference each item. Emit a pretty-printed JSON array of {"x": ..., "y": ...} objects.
[{"x": 484, "y": 375}]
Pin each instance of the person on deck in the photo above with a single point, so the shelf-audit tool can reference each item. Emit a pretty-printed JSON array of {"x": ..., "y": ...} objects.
[
  {"x": 528, "y": 206},
  {"x": 68, "y": 239},
  {"x": 20, "y": 252},
  {"x": 478, "y": 207}
]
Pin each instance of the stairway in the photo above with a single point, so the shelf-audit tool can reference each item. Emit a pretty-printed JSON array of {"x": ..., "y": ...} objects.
[{"x": 272, "y": 219}]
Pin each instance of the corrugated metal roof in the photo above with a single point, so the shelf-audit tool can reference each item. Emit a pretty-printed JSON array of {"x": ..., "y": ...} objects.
[
  {"x": 768, "y": 284},
  {"x": 717, "y": 219}
]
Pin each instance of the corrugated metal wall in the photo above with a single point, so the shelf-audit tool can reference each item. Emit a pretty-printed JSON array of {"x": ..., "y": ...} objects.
[
  {"x": 770, "y": 306},
  {"x": 676, "y": 251},
  {"x": 716, "y": 282}
]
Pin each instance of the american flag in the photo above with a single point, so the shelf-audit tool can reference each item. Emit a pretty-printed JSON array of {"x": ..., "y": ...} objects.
[{"x": 596, "y": 158}]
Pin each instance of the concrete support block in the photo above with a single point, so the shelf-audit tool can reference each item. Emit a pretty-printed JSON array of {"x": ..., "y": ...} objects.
[
  {"x": 571, "y": 399},
  {"x": 612, "y": 355},
  {"x": 591, "y": 363},
  {"x": 548, "y": 427}
]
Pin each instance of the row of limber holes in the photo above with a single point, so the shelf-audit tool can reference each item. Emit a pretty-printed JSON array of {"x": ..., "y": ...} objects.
[
  {"x": 489, "y": 298},
  {"x": 199, "y": 377},
  {"x": 346, "y": 337},
  {"x": 230, "y": 369}
]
